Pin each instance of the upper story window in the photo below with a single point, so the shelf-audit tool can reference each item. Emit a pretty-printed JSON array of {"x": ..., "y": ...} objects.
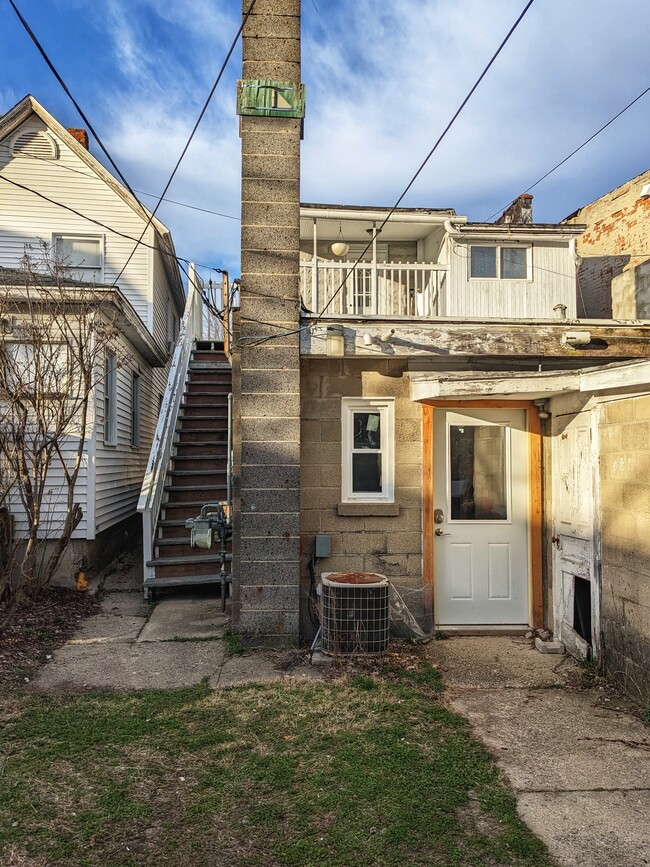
[
  {"x": 82, "y": 255},
  {"x": 499, "y": 262},
  {"x": 368, "y": 450}
]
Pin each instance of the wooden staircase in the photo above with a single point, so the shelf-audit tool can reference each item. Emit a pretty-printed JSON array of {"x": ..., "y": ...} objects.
[{"x": 197, "y": 472}]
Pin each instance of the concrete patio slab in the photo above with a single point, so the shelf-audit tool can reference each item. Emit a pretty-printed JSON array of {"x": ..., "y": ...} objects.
[
  {"x": 122, "y": 666},
  {"x": 580, "y": 769},
  {"x": 192, "y": 617}
]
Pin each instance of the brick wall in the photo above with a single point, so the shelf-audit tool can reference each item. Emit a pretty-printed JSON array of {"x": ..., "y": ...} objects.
[
  {"x": 618, "y": 225},
  {"x": 624, "y": 432},
  {"x": 390, "y": 545}
]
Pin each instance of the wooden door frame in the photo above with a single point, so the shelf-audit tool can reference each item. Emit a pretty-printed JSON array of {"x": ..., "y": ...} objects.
[{"x": 533, "y": 431}]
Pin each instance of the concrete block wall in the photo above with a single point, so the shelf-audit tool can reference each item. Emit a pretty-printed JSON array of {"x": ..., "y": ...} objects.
[
  {"x": 388, "y": 544},
  {"x": 624, "y": 434},
  {"x": 266, "y": 360},
  {"x": 618, "y": 226}
]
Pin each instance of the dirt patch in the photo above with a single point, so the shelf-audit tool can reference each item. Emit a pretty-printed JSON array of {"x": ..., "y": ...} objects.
[{"x": 37, "y": 629}]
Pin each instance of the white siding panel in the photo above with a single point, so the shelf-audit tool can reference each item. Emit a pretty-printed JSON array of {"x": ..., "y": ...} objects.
[
  {"x": 120, "y": 468},
  {"x": 54, "y": 501},
  {"x": 26, "y": 219},
  {"x": 553, "y": 283}
]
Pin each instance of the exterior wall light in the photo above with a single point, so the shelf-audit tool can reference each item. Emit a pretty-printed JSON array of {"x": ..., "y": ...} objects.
[{"x": 335, "y": 343}]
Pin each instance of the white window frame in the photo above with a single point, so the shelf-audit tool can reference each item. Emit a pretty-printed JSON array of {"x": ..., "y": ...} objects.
[
  {"x": 96, "y": 275},
  {"x": 136, "y": 408},
  {"x": 110, "y": 398},
  {"x": 498, "y": 247},
  {"x": 385, "y": 406}
]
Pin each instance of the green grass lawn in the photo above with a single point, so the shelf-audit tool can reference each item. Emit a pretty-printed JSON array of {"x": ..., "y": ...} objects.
[{"x": 364, "y": 770}]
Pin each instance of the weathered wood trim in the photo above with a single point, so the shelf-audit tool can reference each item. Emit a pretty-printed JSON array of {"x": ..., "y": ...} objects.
[
  {"x": 497, "y": 337},
  {"x": 535, "y": 516},
  {"x": 427, "y": 509},
  {"x": 533, "y": 428}
]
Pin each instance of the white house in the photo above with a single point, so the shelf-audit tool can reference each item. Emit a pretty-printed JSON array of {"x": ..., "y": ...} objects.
[{"x": 55, "y": 195}]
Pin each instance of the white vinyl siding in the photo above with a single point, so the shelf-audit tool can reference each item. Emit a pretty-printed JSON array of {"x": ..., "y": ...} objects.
[
  {"x": 27, "y": 221},
  {"x": 552, "y": 282},
  {"x": 119, "y": 469}
]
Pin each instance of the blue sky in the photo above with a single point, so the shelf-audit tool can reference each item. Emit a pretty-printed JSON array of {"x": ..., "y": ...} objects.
[{"x": 382, "y": 80}]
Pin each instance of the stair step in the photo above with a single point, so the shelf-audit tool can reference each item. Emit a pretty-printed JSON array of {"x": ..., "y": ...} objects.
[
  {"x": 205, "y": 457},
  {"x": 187, "y": 561},
  {"x": 180, "y": 580},
  {"x": 195, "y": 430},
  {"x": 193, "y": 473},
  {"x": 182, "y": 489},
  {"x": 210, "y": 365}
]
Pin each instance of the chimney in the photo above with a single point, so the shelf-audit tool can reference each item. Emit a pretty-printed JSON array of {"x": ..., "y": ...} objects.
[
  {"x": 81, "y": 135},
  {"x": 520, "y": 211},
  {"x": 266, "y": 358}
]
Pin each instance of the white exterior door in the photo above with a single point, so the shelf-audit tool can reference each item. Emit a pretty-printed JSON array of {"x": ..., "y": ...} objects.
[
  {"x": 575, "y": 599},
  {"x": 481, "y": 517}
]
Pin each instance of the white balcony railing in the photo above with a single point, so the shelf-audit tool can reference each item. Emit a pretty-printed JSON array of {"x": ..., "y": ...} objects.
[{"x": 383, "y": 289}]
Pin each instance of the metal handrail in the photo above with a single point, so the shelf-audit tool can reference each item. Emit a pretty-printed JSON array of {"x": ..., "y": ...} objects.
[{"x": 153, "y": 484}]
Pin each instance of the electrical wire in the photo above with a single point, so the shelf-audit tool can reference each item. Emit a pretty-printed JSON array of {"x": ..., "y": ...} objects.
[
  {"x": 415, "y": 176},
  {"x": 59, "y": 165},
  {"x": 575, "y": 151},
  {"x": 65, "y": 87},
  {"x": 108, "y": 228},
  {"x": 245, "y": 18}
]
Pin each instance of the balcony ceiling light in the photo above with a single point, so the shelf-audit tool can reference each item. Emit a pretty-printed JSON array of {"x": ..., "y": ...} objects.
[{"x": 340, "y": 247}]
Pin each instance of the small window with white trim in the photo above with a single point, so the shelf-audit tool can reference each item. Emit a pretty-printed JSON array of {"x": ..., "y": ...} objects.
[
  {"x": 110, "y": 399},
  {"x": 368, "y": 434},
  {"x": 499, "y": 262},
  {"x": 81, "y": 255}
]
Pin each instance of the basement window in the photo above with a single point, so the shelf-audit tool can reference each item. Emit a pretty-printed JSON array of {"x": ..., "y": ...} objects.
[
  {"x": 498, "y": 262},
  {"x": 368, "y": 461}
]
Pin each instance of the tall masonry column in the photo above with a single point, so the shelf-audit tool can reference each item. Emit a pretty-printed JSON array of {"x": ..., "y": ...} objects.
[{"x": 266, "y": 542}]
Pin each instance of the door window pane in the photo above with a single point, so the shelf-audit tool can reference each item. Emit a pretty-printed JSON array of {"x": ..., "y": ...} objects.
[
  {"x": 478, "y": 477},
  {"x": 484, "y": 262},
  {"x": 366, "y": 473},
  {"x": 513, "y": 263}
]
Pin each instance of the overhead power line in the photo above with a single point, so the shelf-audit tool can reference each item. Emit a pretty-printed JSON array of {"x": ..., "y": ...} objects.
[
  {"x": 59, "y": 165},
  {"x": 414, "y": 178},
  {"x": 574, "y": 152},
  {"x": 108, "y": 228},
  {"x": 245, "y": 18},
  {"x": 65, "y": 87},
  {"x": 436, "y": 145}
]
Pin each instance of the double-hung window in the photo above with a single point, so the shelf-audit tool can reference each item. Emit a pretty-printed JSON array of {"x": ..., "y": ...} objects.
[
  {"x": 81, "y": 255},
  {"x": 499, "y": 262},
  {"x": 135, "y": 410},
  {"x": 368, "y": 433},
  {"x": 110, "y": 399}
]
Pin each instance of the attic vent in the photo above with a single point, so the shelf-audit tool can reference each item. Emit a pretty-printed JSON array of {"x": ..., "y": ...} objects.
[{"x": 35, "y": 143}]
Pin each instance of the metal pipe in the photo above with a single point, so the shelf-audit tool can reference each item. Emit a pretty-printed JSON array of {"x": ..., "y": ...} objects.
[{"x": 229, "y": 459}]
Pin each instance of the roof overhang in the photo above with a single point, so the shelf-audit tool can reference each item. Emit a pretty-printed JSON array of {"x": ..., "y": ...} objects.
[
  {"x": 107, "y": 301},
  {"x": 23, "y": 110}
]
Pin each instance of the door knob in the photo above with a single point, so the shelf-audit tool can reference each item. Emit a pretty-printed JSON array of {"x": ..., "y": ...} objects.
[{"x": 440, "y": 532}]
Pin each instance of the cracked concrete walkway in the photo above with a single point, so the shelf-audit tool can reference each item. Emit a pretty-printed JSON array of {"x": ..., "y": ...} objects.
[
  {"x": 131, "y": 644},
  {"x": 578, "y": 762}
]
